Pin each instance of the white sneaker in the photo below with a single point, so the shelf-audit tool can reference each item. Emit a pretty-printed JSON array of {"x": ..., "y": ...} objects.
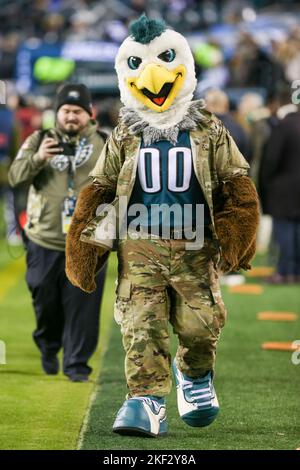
[{"x": 197, "y": 401}]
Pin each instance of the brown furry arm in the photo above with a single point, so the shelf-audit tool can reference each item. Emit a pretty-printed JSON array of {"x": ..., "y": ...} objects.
[
  {"x": 236, "y": 221},
  {"x": 82, "y": 259}
]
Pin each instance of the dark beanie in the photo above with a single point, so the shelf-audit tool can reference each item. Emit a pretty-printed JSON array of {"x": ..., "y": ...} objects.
[{"x": 76, "y": 94}]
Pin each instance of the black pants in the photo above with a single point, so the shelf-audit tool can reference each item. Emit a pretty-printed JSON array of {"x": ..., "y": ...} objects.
[
  {"x": 66, "y": 316},
  {"x": 287, "y": 236}
]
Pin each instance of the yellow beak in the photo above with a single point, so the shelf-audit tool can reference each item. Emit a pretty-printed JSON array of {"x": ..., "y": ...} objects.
[{"x": 152, "y": 79}]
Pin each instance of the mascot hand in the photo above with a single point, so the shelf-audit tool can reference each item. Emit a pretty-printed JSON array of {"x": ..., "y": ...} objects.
[
  {"x": 236, "y": 221},
  {"x": 82, "y": 259}
]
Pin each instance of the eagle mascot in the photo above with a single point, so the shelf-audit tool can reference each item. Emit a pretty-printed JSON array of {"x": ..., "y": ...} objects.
[{"x": 166, "y": 150}]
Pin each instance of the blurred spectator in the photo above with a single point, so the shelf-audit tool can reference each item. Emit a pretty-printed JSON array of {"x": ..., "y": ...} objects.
[
  {"x": 218, "y": 103},
  {"x": 262, "y": 121},
  {"x": 249, "y": 103},
  {"x": 251, "y": 66},
  {"x": 8, "y": 47},
  {"x": 108, "y": 114},
  {"x": 83, "y": 26},
  {"x": 28, "y": 117},
  {"x": 280, "y": 185},
  {"x": 287, "y": 52},
  {"x": 9, "y": 143}
]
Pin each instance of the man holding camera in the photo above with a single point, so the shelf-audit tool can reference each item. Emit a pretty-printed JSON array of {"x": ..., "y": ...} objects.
[{"x": 57, "y": 163}]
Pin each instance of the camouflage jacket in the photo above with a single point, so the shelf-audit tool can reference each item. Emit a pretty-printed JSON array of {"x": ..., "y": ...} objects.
[
  {"x": 216, "y": 159},
  {"x": 49, "y": 182}
]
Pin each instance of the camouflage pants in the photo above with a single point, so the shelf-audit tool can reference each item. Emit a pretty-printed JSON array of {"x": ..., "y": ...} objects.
[{"x": 160, "y": 283}]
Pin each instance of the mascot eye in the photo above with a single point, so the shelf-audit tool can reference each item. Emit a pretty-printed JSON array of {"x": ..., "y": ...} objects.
[
  {"x": 134, "y": 62},
  {"x": 167, "y": 56}
]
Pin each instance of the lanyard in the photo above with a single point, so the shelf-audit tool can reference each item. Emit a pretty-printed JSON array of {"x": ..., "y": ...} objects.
[
  {"x": 71, "y": 174},
  {"x": 72, "y": 166}
]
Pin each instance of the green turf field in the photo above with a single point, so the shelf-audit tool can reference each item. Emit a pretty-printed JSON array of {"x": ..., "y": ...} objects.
[
  {"x": 258, "y": 390},
  {"x": 36, "y": 411}
]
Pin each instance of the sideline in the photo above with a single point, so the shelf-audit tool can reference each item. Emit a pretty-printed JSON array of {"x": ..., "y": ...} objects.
[
  {"x": 106, "y": 327},
  {"x": 105, "y": 333}
]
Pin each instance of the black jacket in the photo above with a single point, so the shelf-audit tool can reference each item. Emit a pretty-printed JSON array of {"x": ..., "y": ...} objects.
[{"x": 280, "y": 170}]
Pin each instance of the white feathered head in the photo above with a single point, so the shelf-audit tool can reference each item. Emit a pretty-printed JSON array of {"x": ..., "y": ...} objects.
[{"x": 156, "y": 71}]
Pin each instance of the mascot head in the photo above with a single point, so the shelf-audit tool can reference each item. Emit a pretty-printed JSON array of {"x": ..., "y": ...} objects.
[{"x": 156, "y": 72}]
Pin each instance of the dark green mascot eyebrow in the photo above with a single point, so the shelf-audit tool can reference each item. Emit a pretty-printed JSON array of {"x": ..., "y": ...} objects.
[{"x": 144, "y": 30}]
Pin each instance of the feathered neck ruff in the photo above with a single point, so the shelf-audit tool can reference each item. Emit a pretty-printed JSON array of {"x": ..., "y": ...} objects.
[{"x": 137, "y": 125}]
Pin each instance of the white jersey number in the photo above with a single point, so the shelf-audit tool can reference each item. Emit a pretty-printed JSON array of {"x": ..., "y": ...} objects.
[{"x": 179, "y": 169}]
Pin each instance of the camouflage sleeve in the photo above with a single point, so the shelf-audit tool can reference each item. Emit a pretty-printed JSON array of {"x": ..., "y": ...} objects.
[
  {"x": 27, "y": 163},
  {"x": 108, "y": 166},
  {"x": 229, "y": 160}
]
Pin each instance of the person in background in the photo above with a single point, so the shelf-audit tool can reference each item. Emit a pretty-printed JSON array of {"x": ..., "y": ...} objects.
[
  {"x": 217, "y": 102},
  {"x": 262, "y": 121},
  {"x": 9, "y": 143},
  {"x": 28, "y": 118},
  {"x": 249, "y": 102},
  {"x": 56, "y": 163},
  {"x": 280, "y": 185}
]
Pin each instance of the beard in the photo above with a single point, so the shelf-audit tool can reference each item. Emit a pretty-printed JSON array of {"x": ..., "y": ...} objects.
[
  {"x": 70, "y": 128},
  {"x": 71, "y": 132}
]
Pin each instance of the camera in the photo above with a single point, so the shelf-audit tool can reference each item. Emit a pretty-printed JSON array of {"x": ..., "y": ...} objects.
[{"x": 68, "y": 148}]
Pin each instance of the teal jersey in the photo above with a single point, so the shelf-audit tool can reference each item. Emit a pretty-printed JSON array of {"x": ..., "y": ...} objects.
[{"x": 165, "y": 176}]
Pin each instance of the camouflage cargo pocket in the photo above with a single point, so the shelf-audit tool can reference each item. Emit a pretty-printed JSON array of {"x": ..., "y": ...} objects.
[
  {"x": 218, "y": 307},
  {"x": 219, "y": 310},
  {"x": 122, "y": 302}
]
